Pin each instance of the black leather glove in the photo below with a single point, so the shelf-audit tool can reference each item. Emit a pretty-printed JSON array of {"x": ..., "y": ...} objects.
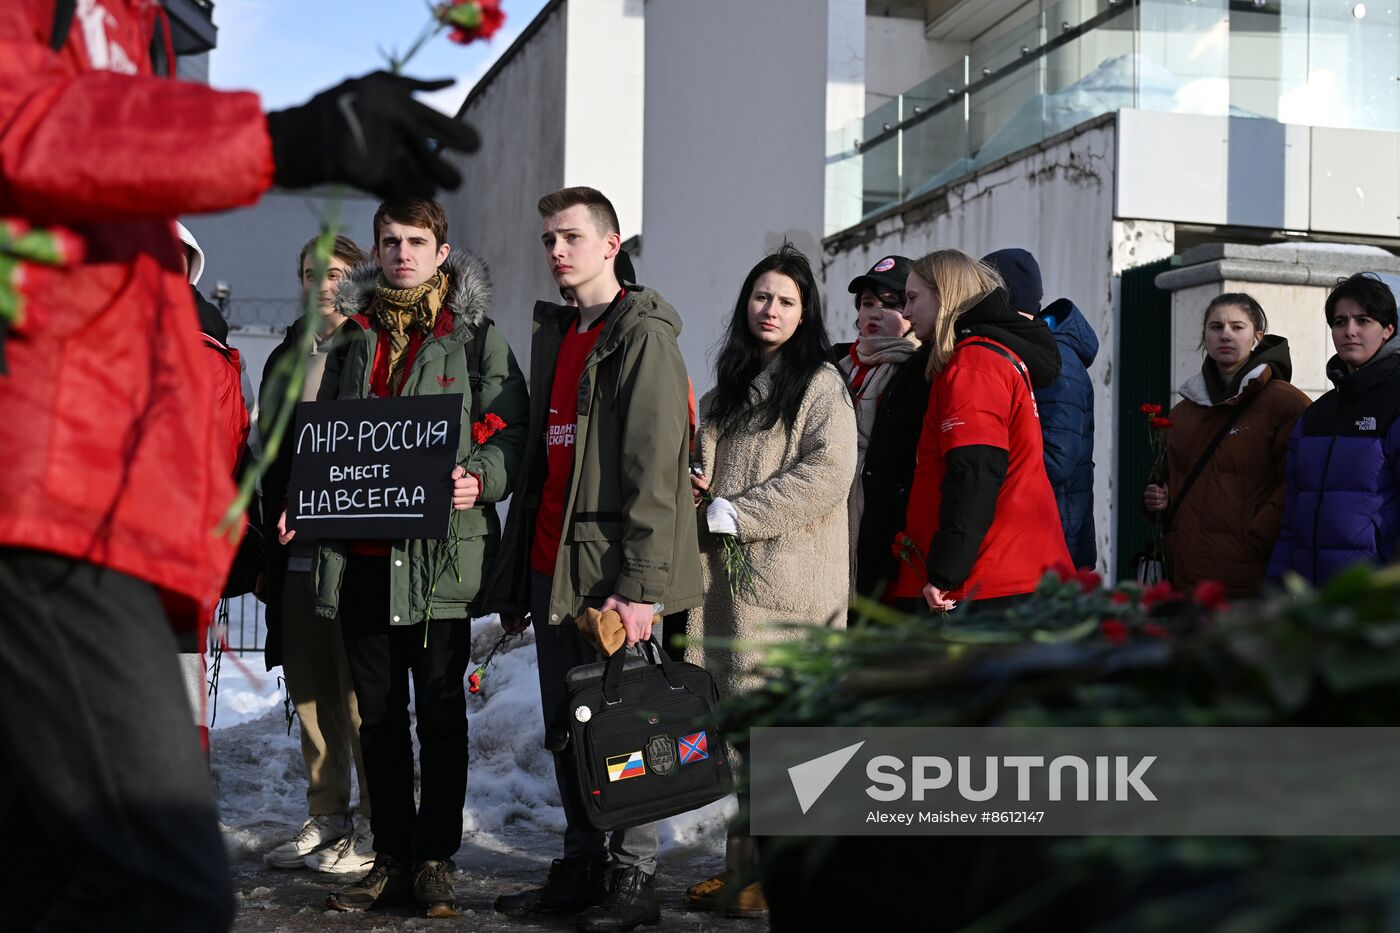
[{"x": 369, "y": 132}]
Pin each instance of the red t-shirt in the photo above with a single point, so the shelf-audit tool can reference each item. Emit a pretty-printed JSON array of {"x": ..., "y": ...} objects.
[
  {"x": 980, "y": 397},
  {"x": 560, "y": 430}
]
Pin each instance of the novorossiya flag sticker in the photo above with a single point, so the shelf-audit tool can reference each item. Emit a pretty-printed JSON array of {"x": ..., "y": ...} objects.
[
  {"x": 693, "y": 747},
  {"x": 630, "y": 765}
]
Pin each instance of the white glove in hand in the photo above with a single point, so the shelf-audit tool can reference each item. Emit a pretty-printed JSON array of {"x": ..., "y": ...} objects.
[{"x": 721, "y": 518}]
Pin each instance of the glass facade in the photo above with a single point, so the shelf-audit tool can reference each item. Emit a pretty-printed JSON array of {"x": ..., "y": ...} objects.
[{"x": 1312, "y": 62}]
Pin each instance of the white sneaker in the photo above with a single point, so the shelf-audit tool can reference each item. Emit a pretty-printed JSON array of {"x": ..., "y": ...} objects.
[
  {"x": 353, "y": 854},
  {"x": 316, "y": 833}
]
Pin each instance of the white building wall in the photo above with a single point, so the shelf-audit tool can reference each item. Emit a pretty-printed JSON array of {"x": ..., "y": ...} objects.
[
  {"x": 847, "y": 58},
  {"x": 1058, "y": 204},
  {"x": 520, "y": 115},
  {"x": 1257, "y": 173},
  {"x": 899, "y": 55},
  {"x": 605, "y": 66},
  {"x": 734, "y": 154}
]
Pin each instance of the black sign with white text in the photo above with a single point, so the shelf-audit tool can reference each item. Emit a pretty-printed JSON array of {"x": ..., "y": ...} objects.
[{"x": 374, "y": 468}]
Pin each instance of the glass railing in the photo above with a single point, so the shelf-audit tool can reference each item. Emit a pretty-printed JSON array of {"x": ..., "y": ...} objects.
[{"x": 1315, "y": 62}]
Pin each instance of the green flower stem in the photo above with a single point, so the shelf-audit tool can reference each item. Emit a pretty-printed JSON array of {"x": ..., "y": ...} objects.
[
  {"x": 398, "y": 63},
  {"x": 739, "y": 572},
  {"x": 290, "y": 371}
]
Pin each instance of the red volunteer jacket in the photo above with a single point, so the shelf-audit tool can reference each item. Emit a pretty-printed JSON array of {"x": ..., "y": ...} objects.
[
  {"x": 984, "y": 397},
  {"x": 110, "y": 449}
]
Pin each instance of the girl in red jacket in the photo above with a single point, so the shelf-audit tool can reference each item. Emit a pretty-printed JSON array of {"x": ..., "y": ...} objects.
[{"x": 981, "y": 514}]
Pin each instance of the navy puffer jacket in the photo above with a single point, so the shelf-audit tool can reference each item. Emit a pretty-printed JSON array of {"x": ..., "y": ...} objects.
[
  {"x": 1343, "y": 503},
  {"x": 1067, "y": 424}
]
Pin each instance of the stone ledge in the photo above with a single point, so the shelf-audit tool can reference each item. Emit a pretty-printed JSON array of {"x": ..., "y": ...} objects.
[{"x": 1217, "y": 262}]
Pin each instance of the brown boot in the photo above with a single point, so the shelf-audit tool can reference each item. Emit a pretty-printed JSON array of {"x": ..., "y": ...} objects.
[
  {"x": 704, "y": 895},
  {"x": 719, "y": 893},
  {"x": 749, "y": 903}
]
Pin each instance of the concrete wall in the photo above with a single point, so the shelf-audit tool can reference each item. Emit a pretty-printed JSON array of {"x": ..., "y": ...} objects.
[
  {"x": 899, "y": 55},
  {"x": 1258, "y": 173},
  {"x": 521, "y": 115},
  {"x": 1056, "y": 202},
  {"x": 847, "y": 58},
  {"x": 1290, "y": 283},
  {"x": 603, "y": 115},
  {"x": 733, "y": 153}
]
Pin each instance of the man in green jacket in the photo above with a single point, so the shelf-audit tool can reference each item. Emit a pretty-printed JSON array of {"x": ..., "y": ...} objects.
[
  {"x": 602, "y": 517},
  {"x": 416, "y": 325}
]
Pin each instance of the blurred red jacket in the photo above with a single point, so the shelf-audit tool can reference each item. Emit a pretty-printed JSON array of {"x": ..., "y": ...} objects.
[{"x": 110, "y": 449}]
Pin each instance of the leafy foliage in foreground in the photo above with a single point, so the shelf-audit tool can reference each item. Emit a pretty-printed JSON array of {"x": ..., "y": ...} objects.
[{"x": 1078, "y": 654}]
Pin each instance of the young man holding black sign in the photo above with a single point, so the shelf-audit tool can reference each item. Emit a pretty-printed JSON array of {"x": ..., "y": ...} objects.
[
  {"x": 602, "y": 517},
  {"x": 416, "y": 325}
]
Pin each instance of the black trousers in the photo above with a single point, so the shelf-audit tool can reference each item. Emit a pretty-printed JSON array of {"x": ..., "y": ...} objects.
[
  {"x": 382, "y": 656},
  {"x": 559, "y": 649},
  {"x": 106, "y": 806}
]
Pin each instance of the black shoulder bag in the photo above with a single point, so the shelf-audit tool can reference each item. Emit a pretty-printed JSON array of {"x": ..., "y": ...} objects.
[{"x": 639, "y": 739}]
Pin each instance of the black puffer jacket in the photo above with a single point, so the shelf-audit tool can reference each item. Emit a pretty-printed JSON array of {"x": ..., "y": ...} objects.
[{"x": 889, "y": 473}]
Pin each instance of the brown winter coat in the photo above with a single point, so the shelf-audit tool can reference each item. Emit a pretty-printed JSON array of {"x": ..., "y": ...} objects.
[
  {"x": 789, "y": 490},
  {"x": 1226, "y": 526}
]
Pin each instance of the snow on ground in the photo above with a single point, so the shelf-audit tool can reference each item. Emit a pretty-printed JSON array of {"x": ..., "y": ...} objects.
[{"x": 513, "y": 816}]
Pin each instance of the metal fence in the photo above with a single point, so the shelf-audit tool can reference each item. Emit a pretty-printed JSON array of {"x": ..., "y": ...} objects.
[
  {"x": 247, "y": 624},
  {"x": 261, "y": 312}
]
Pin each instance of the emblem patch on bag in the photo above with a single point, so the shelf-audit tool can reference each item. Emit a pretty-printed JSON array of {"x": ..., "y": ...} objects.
[
  {"x": 660, "y": 756},
  {"x": 583, "y": 714},
  {"x": 621, "y": 767},
  {"x": 693, "y": 747}
]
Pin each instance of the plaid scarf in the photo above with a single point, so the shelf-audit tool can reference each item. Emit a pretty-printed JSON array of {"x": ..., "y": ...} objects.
[{"x": 399, "y": 312}]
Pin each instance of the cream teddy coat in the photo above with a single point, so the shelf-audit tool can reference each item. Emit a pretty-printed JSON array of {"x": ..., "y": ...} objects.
[{"x": 789, "y": 490}]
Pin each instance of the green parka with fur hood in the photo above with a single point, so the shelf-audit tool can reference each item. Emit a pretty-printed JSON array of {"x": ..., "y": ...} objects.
[{"x": 440, "y": 368}]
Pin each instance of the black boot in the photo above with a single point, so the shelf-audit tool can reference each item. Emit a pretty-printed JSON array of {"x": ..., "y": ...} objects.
[
  {"x": 631, "y": 903},
  {"x": 388, "y": 883},
  {"x": 574, "y": 885}
]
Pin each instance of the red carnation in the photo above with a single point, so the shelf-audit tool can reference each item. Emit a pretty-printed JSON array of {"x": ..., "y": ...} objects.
[
  {"x": 1088, "y": 580},
  {"x": 1153, "y": 630},
  {"x": 1147, "y": 408},
  {"x": 1063, "y": 571},
  {"x": 1161, "y": 423},
  {"x": 1114, "y": 630},
  {"x": 1120, "y": 598},
  {"x": 483, "y": 430},
  {"x": 471, "y": 19},
  {"x": 1210, "y": 594},
  {"x": 1161, "y": 593},
  {"x": 474, "y": 683}
]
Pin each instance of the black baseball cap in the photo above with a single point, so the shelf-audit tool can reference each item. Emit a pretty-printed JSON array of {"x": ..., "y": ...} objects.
[{"x": 889, "y": 274}]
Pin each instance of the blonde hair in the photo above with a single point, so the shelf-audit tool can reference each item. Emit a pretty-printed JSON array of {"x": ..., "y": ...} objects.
[{"x": 961, "y": 282}]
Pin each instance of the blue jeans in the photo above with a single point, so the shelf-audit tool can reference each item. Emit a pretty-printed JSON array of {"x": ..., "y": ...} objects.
[{"x": 559, "y": 648}]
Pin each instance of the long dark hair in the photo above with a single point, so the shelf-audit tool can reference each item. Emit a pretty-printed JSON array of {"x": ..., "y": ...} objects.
[{"x": 741, "y": 357}]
